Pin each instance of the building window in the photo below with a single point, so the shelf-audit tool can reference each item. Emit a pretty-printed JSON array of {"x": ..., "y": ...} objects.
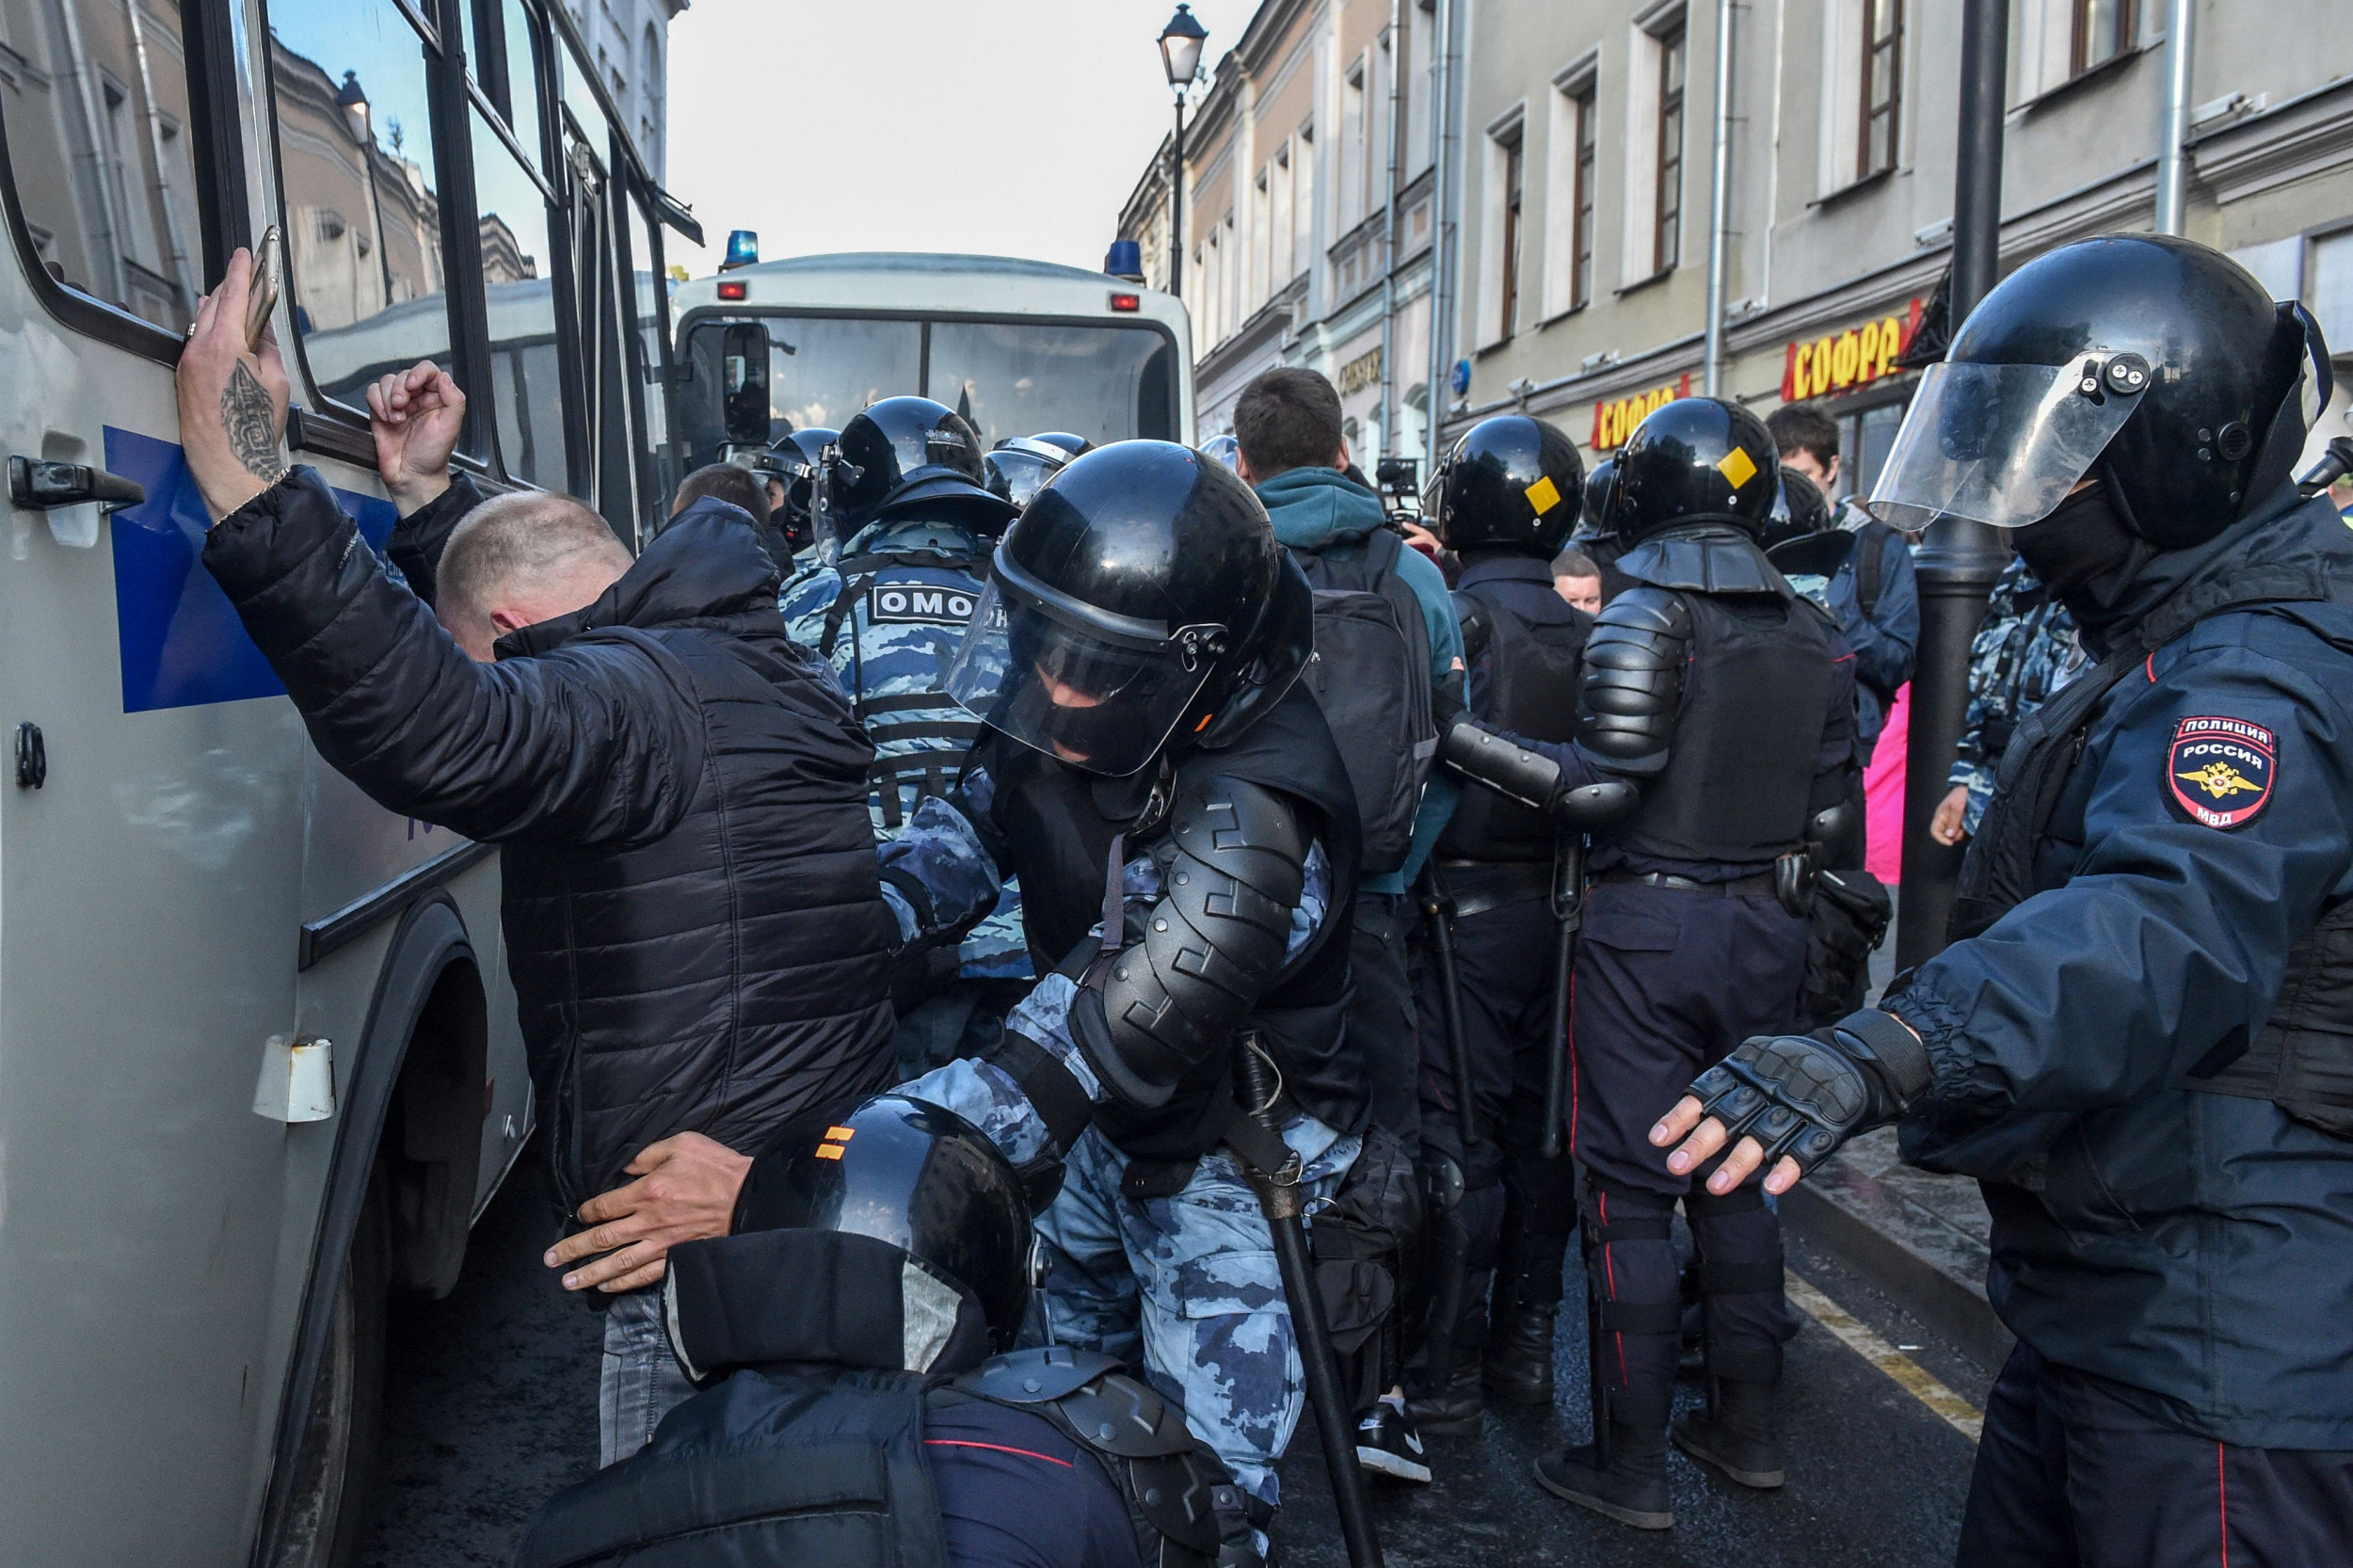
[
  {"x": 1882, "y": 83},
  {"x": 1581, "y": 227},
  {"x": 1513, "y": 163},
  {"x": 1352, "y": 135},
  {"x": 1304, "y": 200},
  {"x": 2102, "y": 30},
  {"x": 1667, "y": 231}
]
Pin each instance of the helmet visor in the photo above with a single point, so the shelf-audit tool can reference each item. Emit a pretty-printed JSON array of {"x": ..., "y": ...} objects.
[
  {"x": 1999, "y": 444},
  {"x": 1096, "y": 702}
]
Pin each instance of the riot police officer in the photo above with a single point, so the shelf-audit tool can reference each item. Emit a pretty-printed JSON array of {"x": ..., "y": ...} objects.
[
  {"x": 1593, "y": 534},
  {"x": 909, "y": 502},
  {"x": 1506, "y": 499},
  {"x": 2137, "y": 1043},
  {"x": 852, "y": 1410},
  {"x": 1020, "y": 466},
  {"x": 791, "y": 470},
  {"x": 1720, "y": 696}
]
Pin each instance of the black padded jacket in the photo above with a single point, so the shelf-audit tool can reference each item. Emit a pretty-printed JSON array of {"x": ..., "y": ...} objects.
[{"x": 694, "y": 921}]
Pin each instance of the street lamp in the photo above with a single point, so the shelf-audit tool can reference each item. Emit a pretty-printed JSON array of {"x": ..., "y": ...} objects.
[{"x": 1180, "y": 56}]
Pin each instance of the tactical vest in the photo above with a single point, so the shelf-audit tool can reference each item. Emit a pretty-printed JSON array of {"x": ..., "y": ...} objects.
[
  {"x": 780, "y": 1467},
  {"x": 1066, "y": 836},
  {"x": 2301, "y": 1060},
  {"x": 920, "y": 737},
  {"x": 1534, "y": 672},
  {"x": 1748, "y": 738}
]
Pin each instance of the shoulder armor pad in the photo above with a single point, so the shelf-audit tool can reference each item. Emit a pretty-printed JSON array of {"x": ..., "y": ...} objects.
[
  {"x": 1705, "y": 561},
  {"x": 1655, "y": 610},
  {"x": 1037, "y": 1376},
  {"x": 1125, "y": 1417},
  {"x": 1634, "y": 678},
  {"x": 1248, "y": 832}
]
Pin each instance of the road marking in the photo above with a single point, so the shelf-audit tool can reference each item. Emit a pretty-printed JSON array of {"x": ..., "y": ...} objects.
[{"x": 1908, "y": 1375}]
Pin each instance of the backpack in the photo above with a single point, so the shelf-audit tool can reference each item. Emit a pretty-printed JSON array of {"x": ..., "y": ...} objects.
[
  {"x": 1370, "y": 675},
  {"x": 1534, "y": 680},
  {"x": 1870, "y": 565}
]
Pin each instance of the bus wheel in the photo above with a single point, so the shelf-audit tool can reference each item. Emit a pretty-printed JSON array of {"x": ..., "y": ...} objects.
[{"x": 329, "y": 1513}]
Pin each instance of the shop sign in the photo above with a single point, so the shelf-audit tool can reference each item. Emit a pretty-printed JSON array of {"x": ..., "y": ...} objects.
[
  {"x": 1361, "y": 372},
  {"x": 1614, "y": 422},
  {"x": 1841, "y": 361}
]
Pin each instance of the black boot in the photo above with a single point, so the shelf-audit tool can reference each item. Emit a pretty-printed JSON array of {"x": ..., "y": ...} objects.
[
  {"x": 1454, "y": 1409},
  {"x": 1632, "y": 1490},
  {"x": 1519, "y": 1362},
  {"x": 1737, "y": 1436}
]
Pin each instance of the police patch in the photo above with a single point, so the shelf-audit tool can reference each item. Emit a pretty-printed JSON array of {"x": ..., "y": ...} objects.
[
  {"x": 2220, "y": 770},
  {"x": 919, "y": 603}
]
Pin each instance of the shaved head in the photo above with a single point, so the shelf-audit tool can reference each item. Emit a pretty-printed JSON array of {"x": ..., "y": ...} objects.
[{"x": 519, "y": 559}]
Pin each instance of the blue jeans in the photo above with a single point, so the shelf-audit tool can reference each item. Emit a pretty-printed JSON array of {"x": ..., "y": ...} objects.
[{"x": 641, "y": 1382}]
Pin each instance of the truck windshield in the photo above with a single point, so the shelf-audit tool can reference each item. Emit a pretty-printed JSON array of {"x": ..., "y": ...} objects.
[{"x": 1107, "y": 383}]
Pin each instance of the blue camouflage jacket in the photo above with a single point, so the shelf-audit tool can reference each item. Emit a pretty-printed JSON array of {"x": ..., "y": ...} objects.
[
  {"x": 890, "y": 638},
  {"x": 2025, "y": 650},
  {"x": 2195, "y": 1249}
]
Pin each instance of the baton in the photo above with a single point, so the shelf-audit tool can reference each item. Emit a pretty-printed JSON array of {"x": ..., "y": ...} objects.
[
  {"x": 1284, "y": 1202},
  {"x": 1568, "y": 909},
  {"x": 1439, "y": 907}
]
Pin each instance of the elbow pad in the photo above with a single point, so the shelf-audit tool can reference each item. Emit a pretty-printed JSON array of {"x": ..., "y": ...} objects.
[
  {"x": 1150, "y": 1013},
  {"x": 1511, "y": 771},
  {"x": 1634, "y": 679},
  {"x": 1839, "y": 830}
]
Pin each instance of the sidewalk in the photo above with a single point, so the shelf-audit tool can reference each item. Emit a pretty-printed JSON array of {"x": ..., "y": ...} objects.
[{"x": 1917, "y": 1238}]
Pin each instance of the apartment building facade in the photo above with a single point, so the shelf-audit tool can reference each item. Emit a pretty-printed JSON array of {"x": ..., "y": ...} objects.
[
  {"x": 1309, "y": 214},
  {"x": 1582, "y": 159}
]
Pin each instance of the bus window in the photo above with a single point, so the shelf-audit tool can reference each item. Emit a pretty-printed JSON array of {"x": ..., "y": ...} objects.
[
  {"x": 97, "y": 138},
  {"x": 500, "y": 60},
  {"x": 526, "y": 388},
  {"x": 650, "y": 300},
  {"x": 1016, "y": 379},
  {"x": 821, "y": 371},
  {"x": 355, "y": 164}
]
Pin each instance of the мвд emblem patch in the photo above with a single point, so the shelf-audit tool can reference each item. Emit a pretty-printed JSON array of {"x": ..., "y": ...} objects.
[{"x": 2220, "y": 770}]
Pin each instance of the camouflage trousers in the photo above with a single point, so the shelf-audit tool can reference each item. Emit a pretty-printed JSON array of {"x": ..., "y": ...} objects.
[{"x": 1185, "y": 1286}]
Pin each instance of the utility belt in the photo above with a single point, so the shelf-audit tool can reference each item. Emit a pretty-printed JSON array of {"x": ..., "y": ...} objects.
[
  {"x": 1477, "y": 886},
  {"x": 1762, "y": 884}
]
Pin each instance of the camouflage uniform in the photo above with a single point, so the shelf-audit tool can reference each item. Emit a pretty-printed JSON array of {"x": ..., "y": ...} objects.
[
  {"x": 911, "y": 586},
  {"x": 2026, "y": 648},
  {"x": 1183, "y": 1285}
]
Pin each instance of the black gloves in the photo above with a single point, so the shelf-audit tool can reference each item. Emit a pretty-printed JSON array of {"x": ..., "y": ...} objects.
[{"x": 1805, "y": 1094}]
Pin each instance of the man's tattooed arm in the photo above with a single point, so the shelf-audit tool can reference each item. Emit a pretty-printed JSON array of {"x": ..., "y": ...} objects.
[{"x": 248, "y": 419}]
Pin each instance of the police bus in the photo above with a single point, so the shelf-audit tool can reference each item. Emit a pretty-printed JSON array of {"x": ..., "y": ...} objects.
[
  {"x": 1016, "y": 346},
  {"x": 258, "y": 1063}
]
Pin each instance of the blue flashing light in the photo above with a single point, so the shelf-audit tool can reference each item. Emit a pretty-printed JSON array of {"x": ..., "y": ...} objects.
[
  {"x": 742, "y": 249},
  {"x": 1125, "y": 259}
]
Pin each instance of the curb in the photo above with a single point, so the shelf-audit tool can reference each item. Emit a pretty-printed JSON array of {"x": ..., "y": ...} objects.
[{"x": 1917, "y": 1258}]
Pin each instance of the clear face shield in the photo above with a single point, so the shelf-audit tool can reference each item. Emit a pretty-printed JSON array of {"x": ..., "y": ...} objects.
[
  {"x": 1077, "y": 689},
  {"x": 2003, "y": 444}
]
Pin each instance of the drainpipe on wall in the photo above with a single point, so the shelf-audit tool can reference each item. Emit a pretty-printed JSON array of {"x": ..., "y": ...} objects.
[
  {"x": 1389, "y": 421},
  {"x": 2173, "y": 122},
  {"x": 1442, "y": 226},
  {"x": 1719, "y": 200}
]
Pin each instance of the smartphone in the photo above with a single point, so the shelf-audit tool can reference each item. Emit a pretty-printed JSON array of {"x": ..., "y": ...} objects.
[{"x": 268, "y": 258}]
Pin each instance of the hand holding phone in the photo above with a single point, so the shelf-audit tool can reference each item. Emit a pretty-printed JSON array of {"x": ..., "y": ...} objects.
[{"x": 268, "y": 259}]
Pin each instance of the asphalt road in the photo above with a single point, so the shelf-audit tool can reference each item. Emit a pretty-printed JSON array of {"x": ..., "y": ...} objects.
[{"x": 491, "y": 1408}]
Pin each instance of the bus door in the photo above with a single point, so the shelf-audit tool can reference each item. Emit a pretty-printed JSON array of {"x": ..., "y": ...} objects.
[{"x": 151, "y": 839}]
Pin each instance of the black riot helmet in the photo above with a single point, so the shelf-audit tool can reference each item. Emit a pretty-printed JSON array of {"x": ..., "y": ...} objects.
[
  {"x": 1140, "y": 602},
  {"x": 792, "y": 463},
  {"x": 1799, "y": 510},
  {"x": 921, "y": 1180},
  {"x": 1513, "y": 485},
  {"x": 905, "y": 456},
  {"x": 2151, "y": 363},
  {"x": 1597, "y": 483},
  {"x": 1695, "y": 459},
  {"x": 1019, "y": 465}
]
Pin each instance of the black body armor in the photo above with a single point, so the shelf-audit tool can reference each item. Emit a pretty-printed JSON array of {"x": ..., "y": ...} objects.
[
  {"x": 1534, "y": 673},
  {"x": 1756, "y": 678},
  {"x": 1066, "y": 834}
]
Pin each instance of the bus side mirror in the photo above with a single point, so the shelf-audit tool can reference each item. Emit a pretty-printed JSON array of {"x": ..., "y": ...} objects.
[{"x": 743, "y": 362}]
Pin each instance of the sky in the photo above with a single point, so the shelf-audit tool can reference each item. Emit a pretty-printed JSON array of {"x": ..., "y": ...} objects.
[{"x": 1016, "y": 128}]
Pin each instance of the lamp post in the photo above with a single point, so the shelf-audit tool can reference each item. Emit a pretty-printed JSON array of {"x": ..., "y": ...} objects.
[{"x": 1180, "y": 56}]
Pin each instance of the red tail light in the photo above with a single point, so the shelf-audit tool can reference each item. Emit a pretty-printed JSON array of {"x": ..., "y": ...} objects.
[
  {"x": 734, "y": 288},
  {"x": 1126, "y": 302}
]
